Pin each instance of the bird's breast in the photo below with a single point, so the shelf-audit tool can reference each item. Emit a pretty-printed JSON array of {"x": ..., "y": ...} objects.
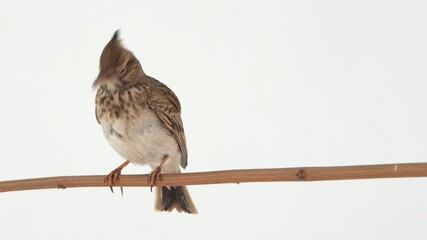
[
  {"x": 142, "y": 139},
  {"x": 134, "y": 130}
]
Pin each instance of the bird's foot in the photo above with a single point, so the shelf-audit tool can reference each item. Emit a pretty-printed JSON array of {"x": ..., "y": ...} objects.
[
  {"x": 113, "y": 176},
  {"x": 153, "y": 176}
]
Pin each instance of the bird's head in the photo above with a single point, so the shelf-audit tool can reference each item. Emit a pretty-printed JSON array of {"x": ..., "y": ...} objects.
[{"x": 117, "y": 66}]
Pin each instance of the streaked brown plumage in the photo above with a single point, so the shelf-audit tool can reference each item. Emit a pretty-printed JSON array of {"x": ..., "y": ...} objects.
[{"x": 141, "y": 120}]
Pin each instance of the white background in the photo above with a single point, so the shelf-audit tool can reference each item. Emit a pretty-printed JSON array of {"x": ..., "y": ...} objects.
[{"x": 262, "y": 84}]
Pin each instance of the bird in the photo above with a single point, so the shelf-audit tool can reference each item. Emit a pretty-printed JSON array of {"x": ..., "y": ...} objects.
[{"x": 141, "y": 120}]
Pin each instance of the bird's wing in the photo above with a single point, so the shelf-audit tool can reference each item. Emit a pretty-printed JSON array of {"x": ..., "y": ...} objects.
[
  {"x": 166, "y": 105},
  {"x": 98, "y": 111}
]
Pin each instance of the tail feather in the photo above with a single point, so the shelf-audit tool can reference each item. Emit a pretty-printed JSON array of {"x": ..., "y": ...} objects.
[{"x": 174, "y": 197}]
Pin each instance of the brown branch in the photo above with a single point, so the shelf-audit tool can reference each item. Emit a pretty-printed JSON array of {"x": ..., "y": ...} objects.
[{"x": 228, "y": 176}]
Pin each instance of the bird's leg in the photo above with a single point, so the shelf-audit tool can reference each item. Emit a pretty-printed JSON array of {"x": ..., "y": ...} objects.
[
  {"x": 114, "y": 175},
  {"x": 155, "y": 174}
]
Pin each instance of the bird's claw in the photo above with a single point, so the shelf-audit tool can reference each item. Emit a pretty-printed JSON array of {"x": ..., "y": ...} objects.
[
  {"x": 113, "y": 177},
  {"x": 152, "y": 177}
]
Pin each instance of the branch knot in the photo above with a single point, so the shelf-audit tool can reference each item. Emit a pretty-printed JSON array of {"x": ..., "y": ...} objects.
[{"x": 301, "y": 174}]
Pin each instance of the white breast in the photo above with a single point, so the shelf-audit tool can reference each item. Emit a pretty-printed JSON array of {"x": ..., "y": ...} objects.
[{"x": 143, "y": 140}]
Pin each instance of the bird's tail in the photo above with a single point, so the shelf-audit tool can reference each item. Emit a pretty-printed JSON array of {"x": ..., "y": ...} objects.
[{"x": 174, "y": 197}]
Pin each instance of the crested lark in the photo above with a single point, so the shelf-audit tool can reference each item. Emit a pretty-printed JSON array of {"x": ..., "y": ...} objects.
[{"x": 140, "y": 118}]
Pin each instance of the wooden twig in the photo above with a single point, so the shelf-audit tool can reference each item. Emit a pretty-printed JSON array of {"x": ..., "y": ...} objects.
[{"x": 229, "y": 176}]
